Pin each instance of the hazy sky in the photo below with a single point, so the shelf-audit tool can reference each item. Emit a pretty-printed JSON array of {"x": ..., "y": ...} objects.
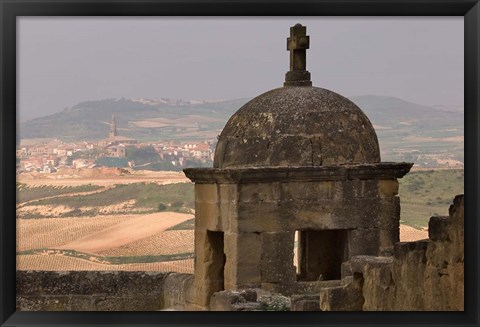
[{"x": 64, "y": 60}]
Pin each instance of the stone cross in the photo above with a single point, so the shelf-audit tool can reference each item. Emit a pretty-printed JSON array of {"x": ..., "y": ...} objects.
[{"x": 297, "y": 44}]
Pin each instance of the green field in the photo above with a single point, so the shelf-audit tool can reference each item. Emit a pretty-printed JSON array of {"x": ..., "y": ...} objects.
[
  {"x": 26, "y": 193},
  {"x": 424, "y": 194},
  {"x": 150, "y": 196}
]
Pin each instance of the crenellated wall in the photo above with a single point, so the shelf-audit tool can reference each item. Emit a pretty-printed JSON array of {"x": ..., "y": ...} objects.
[{"x": 426, "y": 275}]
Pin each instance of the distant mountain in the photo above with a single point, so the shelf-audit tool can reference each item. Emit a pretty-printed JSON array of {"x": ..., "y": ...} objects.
[
  {"x": 449, "y": 107},
  {"x": 151, "y": 119},
  {"x": 140, "y": 118},
  {"x": 392, "y": 112},
  {"x": 407, "y": 131},
  {"x": 399, "y": 124}
]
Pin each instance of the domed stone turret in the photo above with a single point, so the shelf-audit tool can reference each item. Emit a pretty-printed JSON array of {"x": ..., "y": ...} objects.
[
  {"x": 297, "y": 125},
  {"x": 296, "y": 170}
]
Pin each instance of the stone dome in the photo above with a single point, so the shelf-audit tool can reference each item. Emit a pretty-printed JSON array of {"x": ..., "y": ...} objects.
[{"x": 296, "y": 126}]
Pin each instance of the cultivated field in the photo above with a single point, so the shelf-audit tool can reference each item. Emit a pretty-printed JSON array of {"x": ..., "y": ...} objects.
[
  {"x": 86, "y": 219},
  {"x": 77, "y": 177},
  {"x": 64, "y": 263},
  {"x": 105, "y": 243},
  {"x": 165, "y": 243}
]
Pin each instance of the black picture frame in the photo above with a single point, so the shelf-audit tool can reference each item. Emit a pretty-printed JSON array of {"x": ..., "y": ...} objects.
[{"x": 10, "y": 10}]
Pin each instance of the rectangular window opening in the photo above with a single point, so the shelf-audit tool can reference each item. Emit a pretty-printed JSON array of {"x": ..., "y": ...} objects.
[
  {"x": 319, "y": 254},
  {"x": 216, "y": 269}
]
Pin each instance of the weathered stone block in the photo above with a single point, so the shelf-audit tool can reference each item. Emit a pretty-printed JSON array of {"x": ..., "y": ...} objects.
[
  {"x": 43, "y": 303},
  {"x": 378, "y": 285},
  {"x": 57, "y": 303},
  {"x": 275, "y": 302},
  {"x": 313, "y": 287},
  {"x": 350, "y": 189},
  {"x": 367, "y": 188},
  {"x": 260, "y": 192},
  {"x": 300, "y": 214},
  {"x": 209, "y": 265},
  {"x": 277, "y": 258},
  {"x": 388, "y": 213},
  {"x": 438, "y": 228},
  {"x": 388, "y": 238},
  {"x": 325, "y": 214},
  {"x": 247, "y": 306},
  {"x": 206, "y": 206},
  {"x": 145, "y": 283},
  {"x": 203, "y": 291},
  {"x": 65, "y": 283},
  {"x": 355, "y": 213},
  {"x": 456, "y": 211},
  {"x": 285, "y": 289},
  {"x": 143, "y": 303},
  {"x": 193, "y": 307},
  {"x": 242, "y": 267},
  {"x": 342, "y": 298},
  {"x": 252, "y": 217},
  {"x": 234, "y": 301},
  {"x": 406, "y": 249},
  {"x": 178, "y": 290},
  {"x": 249, "y": 294},
  {"x": 346, "y": 269},
  {"x": 409, "y": 265},
  {"x": 28, "y": 303},
  {"x": 388, "y": 187},
  {"x": 305, "y": 303},
  {"x": 82, "y": 303},
  {"x": 207, "y": 216},
  {"x": 289, "y": 215},
  {"x": 359, "y": 262},
  {"x": 215, "y": 207},
  {"x": 228, "y": 203},
  {"x": 307, "y": 191},
  {"x": 108, "y": 303},
  {"x": 364, "y": 242},
  {"x": 206, "y": 193},
  {"x": 203, "y": 248}
]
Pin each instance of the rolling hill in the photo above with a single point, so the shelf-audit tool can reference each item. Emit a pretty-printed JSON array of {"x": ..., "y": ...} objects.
[
  {"x": 135, "y": 118},
  {"x": 406, "y": 131}
]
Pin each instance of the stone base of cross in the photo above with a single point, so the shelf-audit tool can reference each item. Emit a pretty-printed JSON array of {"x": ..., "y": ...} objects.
[{"x": 297, "y": 44}]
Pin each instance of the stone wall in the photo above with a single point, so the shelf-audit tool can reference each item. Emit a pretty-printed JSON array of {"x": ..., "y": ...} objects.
[
  {"x": 427, "y": 275},
  {"x": 99, "y": 291}
]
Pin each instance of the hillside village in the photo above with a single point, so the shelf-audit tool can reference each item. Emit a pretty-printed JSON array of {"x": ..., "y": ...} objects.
[{"x": 114, "y": 151}]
